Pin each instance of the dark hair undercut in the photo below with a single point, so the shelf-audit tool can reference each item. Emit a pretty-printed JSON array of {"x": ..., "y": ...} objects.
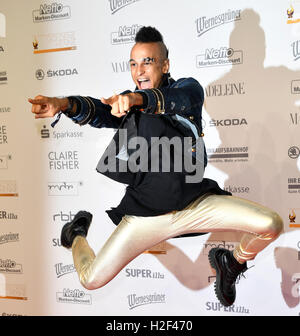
[{"x": 150, "y": 35}]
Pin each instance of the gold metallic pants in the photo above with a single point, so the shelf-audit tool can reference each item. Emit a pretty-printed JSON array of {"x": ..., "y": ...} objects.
[{"x": 210, "y": 213}]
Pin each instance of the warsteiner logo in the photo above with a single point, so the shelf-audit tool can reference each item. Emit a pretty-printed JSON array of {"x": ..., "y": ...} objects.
[
  {"x": 296, "y": 50},
  {"x": 116, "y": 5},
  {"x": 204, "y": 24}
]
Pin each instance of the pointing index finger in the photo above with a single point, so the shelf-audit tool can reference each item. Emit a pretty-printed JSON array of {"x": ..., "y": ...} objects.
[{"x": 39, "y": 101}]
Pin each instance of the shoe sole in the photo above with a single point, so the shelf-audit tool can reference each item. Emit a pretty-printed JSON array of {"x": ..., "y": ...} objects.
[
  {"x": 215, "y": 265},
  {"x": 81, "y": 214}
]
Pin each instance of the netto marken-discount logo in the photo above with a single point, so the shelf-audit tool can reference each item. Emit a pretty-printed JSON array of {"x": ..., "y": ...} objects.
[
  {"x": 125, "y": 34},
  {"x": 73, "y": 296},
  {"x": 204, "y": 24},
  {"x": 49, "y": 12},
  {"x": 116, "y": 5},
  {"x": 10, "y": 266},
  {"x": 222, "y": 56}
]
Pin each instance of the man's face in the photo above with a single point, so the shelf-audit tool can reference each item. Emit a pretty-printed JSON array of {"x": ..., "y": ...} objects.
[{"x": 148, "y": 64}]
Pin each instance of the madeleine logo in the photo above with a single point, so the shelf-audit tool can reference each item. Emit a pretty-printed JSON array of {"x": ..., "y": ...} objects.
[{"x": 2, "y": 25}]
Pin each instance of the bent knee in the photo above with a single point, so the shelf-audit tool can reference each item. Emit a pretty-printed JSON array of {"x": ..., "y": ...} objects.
[
  {"x": 91, "y": 283},
  {"x": 274, "y": 225}
]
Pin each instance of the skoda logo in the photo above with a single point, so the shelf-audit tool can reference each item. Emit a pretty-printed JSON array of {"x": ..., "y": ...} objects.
[
  {"x": 294, "y": 152},
  {"x": 39, "y": 74}
]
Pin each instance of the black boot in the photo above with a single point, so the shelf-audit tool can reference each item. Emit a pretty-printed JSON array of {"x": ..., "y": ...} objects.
[
  {"x": 227, "y": 270},
  {"x": 77, "y": 227}
]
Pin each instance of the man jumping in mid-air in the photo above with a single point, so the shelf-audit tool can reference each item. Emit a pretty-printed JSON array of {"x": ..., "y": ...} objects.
[{"x": 158, "y": 204}]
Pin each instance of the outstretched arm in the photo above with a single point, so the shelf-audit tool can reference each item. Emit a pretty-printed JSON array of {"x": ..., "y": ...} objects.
[{"x": 46, "y": 107}]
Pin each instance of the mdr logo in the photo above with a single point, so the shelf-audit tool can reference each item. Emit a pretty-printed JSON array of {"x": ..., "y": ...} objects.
[{"x": 2, "y": 25}]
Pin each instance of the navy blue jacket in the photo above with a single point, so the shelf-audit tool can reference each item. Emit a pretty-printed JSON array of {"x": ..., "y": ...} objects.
[{"x": 174, "y": 110}]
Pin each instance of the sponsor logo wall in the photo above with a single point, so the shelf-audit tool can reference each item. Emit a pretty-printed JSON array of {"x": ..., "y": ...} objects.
[{"x": 251, "y": 121}]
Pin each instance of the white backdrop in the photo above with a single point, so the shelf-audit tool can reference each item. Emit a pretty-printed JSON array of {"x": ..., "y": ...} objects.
[{"x": 246, "y": 56}]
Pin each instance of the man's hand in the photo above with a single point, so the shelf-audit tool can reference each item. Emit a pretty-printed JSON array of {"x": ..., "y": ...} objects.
[
  {"x": 45, "y": 107},
  {"x": 121, "y": 104}
]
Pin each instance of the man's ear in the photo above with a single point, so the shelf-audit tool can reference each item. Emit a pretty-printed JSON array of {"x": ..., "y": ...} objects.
[{"x": 166, "y": 66}]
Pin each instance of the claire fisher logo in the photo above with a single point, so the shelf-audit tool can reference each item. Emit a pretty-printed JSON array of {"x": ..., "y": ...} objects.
[
  {"x": 49, "y": 12},
  {"x": 204, "y": 24},
  {"x": 2, "y": 25},
  {"x": 116, "y": 5}
]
